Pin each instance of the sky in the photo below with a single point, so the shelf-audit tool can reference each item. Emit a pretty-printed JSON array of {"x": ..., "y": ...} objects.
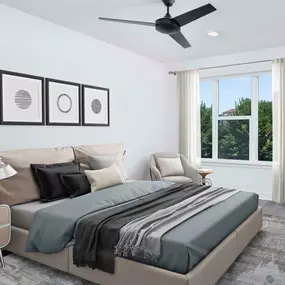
[{"x": 232, "y": 89}]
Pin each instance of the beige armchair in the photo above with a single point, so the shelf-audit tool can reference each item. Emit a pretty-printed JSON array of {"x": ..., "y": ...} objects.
[{"x": 189, "y": 173}]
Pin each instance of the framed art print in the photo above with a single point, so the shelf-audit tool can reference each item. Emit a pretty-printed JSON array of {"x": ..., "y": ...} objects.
[
  {"x": 63, "y": 103},
  {"x": 21, "y": 99},
  {"x": 95, "y": 106}
]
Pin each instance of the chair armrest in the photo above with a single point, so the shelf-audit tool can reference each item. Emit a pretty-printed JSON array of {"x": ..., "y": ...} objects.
[
  {"x": 5, "y": 225},
  {"x": 5, "y": 216},
  {"x": 189, "y": 170},
  {"x": 154, "y": 173}
]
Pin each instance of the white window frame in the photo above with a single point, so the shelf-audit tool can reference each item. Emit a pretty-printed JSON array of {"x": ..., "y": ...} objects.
[{"x": 253, "y": 122}]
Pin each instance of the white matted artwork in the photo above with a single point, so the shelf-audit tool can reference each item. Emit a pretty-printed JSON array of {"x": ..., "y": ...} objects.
[
  {"x": 21, "y": 99},
  {"x": 63, "y": 104},
  {"x": 96, "y": 106}
]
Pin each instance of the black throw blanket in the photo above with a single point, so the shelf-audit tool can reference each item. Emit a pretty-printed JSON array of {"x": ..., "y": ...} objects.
[{"x": 97, "y": 234}]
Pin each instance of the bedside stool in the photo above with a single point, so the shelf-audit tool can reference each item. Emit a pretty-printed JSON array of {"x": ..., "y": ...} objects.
[
  {"x": 5, "y": 229},
  {"x": 204, "y": 173}
]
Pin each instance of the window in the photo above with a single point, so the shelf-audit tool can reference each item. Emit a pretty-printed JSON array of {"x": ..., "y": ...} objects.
[{"x": 236, "y": 118}]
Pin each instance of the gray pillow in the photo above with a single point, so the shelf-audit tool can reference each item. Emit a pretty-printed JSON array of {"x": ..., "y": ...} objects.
[
  {"x": 104, "y": 178},
  {"x": 98, "y": 162}
]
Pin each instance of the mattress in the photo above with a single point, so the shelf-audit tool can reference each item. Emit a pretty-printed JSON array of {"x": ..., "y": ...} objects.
[
  {"x": 22, "y": 215},
  {"x": 183, "y": 247}
]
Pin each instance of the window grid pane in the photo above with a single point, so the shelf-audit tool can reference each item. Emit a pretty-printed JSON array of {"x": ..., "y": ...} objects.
[
  {"x": 233, "y": 139},
  {"x": 235, "y": 96},
  {"x": 206, "y": 118},
  {"x": 265, "y": 138}
]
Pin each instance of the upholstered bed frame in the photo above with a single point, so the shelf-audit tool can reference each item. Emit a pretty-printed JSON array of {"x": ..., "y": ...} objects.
[{"x": 127, "y": 272}]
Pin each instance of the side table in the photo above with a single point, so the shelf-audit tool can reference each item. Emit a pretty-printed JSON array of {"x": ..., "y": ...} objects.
[
  {"x": 204, "y": 173},
  {"x": 5, "y": 229}
]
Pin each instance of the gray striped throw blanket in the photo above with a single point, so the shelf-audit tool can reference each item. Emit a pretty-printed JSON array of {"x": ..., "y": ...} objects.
[{"x": 142, "y": 236}]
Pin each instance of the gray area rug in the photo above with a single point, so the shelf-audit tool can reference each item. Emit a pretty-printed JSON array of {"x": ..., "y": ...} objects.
[
  {"x": 21, "y": 271},
  {"x": 263, "y": 260},
  {"x": 261, "y": 263}
]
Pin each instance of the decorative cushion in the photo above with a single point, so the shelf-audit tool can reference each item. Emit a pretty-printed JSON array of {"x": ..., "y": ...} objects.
[
  {"x": 22, "y": 188},
  {"x": 35, "y": 167},
  {"x": 48, "y": 178},
  {"x": 83, "y": 152},
  {"x": 76, "y": 184},
  {"x": 103, "y": 161},
  {"x": 170, "y": 167},
  {"x": 178, "y": 179},
  {"x": 104, "y": 178}
]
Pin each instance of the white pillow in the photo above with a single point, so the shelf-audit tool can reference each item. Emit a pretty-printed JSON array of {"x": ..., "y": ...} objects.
[
  {"x": 104, "y": 178},
  {"x": 170, "y": 167}
]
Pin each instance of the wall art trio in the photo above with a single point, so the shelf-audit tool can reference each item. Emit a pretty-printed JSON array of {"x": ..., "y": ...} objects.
[{"x": 32, "y": 100}]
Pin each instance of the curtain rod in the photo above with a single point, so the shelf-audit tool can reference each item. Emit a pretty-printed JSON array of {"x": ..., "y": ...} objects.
[{"x": 221, "y": 66}]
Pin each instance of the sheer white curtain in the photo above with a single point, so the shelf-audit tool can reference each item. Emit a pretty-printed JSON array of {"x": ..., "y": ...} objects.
[
  {"x": 278, "y": 110},
  {"x": 189, "y": 116}
]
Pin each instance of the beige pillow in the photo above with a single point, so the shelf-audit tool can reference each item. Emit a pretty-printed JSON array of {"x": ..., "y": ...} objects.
[
  {"x": 104, "y": 178},
  {"x": 170, "y": 167}
]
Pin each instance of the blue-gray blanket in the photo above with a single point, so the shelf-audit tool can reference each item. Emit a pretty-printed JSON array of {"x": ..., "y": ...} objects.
[{"x": 53, "y": 227}]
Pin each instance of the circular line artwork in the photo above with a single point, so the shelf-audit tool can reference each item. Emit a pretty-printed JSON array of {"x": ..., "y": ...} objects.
[
  {"x": 23, "y": 99},
  {"x": 96, "y": 106},
  {"x": 64, "y": 103}
]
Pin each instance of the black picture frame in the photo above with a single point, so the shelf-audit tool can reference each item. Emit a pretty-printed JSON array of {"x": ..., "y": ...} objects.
[
  {"x": 48, "y": 123},
  {"x": 84, "y": 86},
  {"x": 2, "y": 121}
]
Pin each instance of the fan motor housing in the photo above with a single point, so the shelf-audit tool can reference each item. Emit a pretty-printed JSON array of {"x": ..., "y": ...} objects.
[
  {"x": 167, "y": 26},
  {"x": 168, "y": 3}
]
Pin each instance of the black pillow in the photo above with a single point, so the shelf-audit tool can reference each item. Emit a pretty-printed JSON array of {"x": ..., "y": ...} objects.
[
  {"x": 48, "y": 178},
  {"x": 35, "y": 167},
  {"x": 76, "y": 184}
]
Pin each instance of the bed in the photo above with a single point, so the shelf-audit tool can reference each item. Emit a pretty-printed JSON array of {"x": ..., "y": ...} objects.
[
  {"x": 212, "y": 240},
  {"x": 182, "y": 255}
]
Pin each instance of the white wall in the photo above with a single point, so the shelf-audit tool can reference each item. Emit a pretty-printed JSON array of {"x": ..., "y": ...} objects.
[
  {"x": 257, "y": 178},
  {"x": 142, "y": 105},
  {"x": 230, "y": 59},
  {"x": 254, "y": 178}
]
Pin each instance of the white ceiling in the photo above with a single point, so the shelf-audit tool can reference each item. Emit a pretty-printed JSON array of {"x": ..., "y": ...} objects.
[{"x": 243, "y": 24}]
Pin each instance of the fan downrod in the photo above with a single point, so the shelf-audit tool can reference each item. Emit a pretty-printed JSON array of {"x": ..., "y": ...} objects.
[{"x": 168, "y": 3}]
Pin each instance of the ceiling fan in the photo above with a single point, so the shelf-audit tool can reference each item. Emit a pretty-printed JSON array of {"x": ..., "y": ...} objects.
[{"x": 172, "y": 26}]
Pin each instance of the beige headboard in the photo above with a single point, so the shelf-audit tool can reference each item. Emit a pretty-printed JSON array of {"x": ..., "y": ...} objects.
[
  {"x": 22, "y": 187},
  {"x": 82, "y": 153}
]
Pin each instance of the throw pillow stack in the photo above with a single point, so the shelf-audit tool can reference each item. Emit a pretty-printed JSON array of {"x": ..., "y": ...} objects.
[{"x": 62, "y": 180}]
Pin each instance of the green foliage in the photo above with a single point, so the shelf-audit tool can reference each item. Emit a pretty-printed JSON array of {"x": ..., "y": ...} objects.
[
  {"x": 234, "y": 134},
  {"x": 206, "y": 130},
  {"x": 234, "y": 140},
  {"x": 243, "y": 107},
  {"x": 265, "y": 131}
]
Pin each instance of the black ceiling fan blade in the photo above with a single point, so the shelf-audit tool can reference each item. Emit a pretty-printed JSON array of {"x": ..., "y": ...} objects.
[
  {"x": 179, "y": 38},
  {"x": 128, "y": 22},
  {"x": 195, "y": 14}
]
